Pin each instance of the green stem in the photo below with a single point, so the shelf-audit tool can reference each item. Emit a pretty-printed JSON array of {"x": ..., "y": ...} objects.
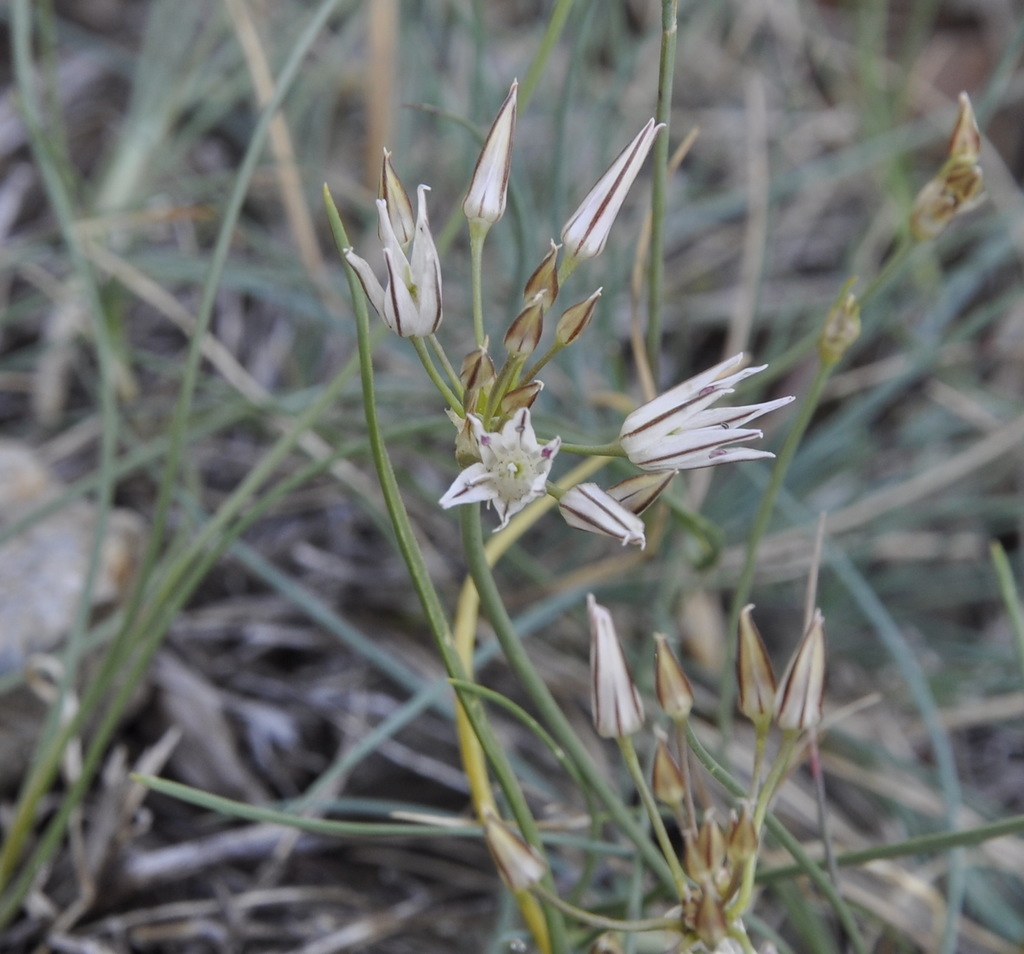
[
  {"x": 439, "y": 382},
  {"x": 609, "y": 924},
  {"x": 656, "y": 267},
  {"x": 556, "y": 347},
  {"x": 476, "y": 258},
  {"x": 651, "y": 807},
  {"x": 778, "y": 831},
  {"x": 1011, "y": 598},
  {"x": 442, "y": 356},
  {"x": 557, "y": 723},
  {"x": 409, "y": 548},
  {"x": 547, "y": 43}
]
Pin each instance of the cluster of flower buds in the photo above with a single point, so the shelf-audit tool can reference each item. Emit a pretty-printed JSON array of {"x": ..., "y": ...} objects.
[
  {"x": 503, "y": 463},
  {"x": 957, "y": 186},
  {"x": 718, "y": 859}
]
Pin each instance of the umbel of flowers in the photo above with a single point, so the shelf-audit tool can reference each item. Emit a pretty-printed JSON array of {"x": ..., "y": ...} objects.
[
  {"x": 503, "y": 461},
  {"x": 715, "y": 870}
]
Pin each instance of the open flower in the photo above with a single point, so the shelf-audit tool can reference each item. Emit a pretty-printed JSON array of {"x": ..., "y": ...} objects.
[
  {"x": 512, "y": 470},
  {"x": 679, "y": 430},
  {"x": 410, "y": 303}
]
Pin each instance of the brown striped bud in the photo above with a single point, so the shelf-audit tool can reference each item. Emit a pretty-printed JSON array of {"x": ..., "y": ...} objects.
[
  {"x": 754, "y": 675},
  {"x": 638, "y": 492},
  {"x": 799, "y": 699},
  {"x": 477, "y": 371},
  {"x": 575, "y": 319},
  {"x": 741, "y": 841},
  {"x": 710, "y": 922},
  {"x": 485, "y": 199},
  {"x": 666, "y": 775},
  {"x": 673, "y": 689},
  {"x": 615, "y": 702},
  {"x": 521, "y": 397},
  {"x": 544, "y": 280},
  {"x": 399, "y": 206},
  {"x": 841, "y": 328},
  {"x": 524, "y": 333},
  {"x": 518, "y": 864}
]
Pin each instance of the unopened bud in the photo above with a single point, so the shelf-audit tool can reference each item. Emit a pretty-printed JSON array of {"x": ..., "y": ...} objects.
[
  {"x": 524, "y": 333},
  {"x": 638, "y": 492},
  {"x": 710, "y": 922},
  {"x": 518, "y": 864},
  {"x": 958, "y": 184},
  {"x": 485, "y": 199},
  {"x": 615, "y": 702},
  {"x": 399, "y": 206},
  {"x": 798, "y": 702},
  {"x": 666, "y": 776},
  {"x": 586, "y": 232},
  {"x": 477, "y": 371},
  {"x": 754, "y": 676},
  {"x": 587, "y": 507},
  {"x": 520, "y": 397},
  {"x": 741, "y": 842},
  {"x": 544, "y": 280},
  {"x": 575, "y": 319},
  {"x": 965, "y": 142},
  {"x": 841, "y": 328},
  {"x": 673, "y": 689}
]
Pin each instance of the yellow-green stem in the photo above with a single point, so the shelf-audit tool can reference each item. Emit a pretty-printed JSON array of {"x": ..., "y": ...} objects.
[{"x": 651, "y": 807}]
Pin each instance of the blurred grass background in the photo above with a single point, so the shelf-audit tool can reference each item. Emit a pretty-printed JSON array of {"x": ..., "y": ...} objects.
[{"x": 818, "y": 124}]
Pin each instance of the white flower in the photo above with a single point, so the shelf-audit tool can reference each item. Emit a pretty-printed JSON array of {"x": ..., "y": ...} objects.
[
  {"x": 512, "y": 470},
  {"x": 615, "y": 702},
  {"x": 680, "y": 431},
  {"x": 485, "y": 199},
  {"x": 587, "y": 230},
  {"x": 588, "y": 507},
  {"x": 410, "y": 303}
]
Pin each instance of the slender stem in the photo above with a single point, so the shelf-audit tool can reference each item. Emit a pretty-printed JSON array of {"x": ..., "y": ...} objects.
[
  {"x": 439, "y": 382},
  {"x": 778, "y": 831},
  {"x": 651, "y": 807},
  {"x": 449, "y": 370},
  {"x": 557, "y": 723},
  {"x": 534, "y": 370},
  {"x": 611, "y": 924},
  {"x": 547, "y": 43},
  {"x": 666, "y": 69},
  {"x": 1011, "y": 598},
  {"x": 476, "y": 258},
  {"x": 611, "y": 449},
  {"x": 429, "y": 599}
]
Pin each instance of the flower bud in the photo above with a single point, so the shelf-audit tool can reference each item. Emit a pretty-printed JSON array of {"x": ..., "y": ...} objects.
[
  {"x": 586, "y": 232},
  {"x": 544, "y": 280},
  {"x": 741, "y": 842},
  {"x": 673, "y": 689},
  {"x": 606, "y": 943},
  {"x": 524, "y": 333},
  {"x": 399, "y": 207},
  {"x": 754, "y": 675},
  {"x": 710, "y": 846},
  {"x": 521, "y": 397},
  {"x": 485, "y": 199},
  {"x": 841, "y": 328},
  {"x": 615, "y": 702},
  {"x": 518, "y": 864},
  {"x": 710, "y": 923},
  {"x": 477, "y": 369},
  {"x": 588, "y": 507},
  {"x": 957, "y": 186},
  {"x": 575, "y": 319},
  {"x": 666, "y": 775},
  {"x": 798, "y": 701},
  {"x": 638, "y": 492}
]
